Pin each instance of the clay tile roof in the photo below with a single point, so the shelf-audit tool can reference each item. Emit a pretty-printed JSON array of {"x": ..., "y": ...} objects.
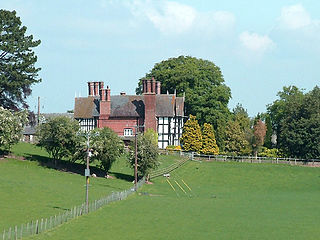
[
  {"x": 180, "y": 106},
  {"x": 127, "y": 106},
  {"x": 86, "y": 107},
  {"x": 165, "y": 105}
]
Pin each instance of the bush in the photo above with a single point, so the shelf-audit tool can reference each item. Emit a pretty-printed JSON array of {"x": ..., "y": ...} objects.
[{"x": 11, "y": 127}]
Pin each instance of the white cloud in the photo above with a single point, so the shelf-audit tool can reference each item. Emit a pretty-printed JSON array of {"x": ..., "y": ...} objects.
[
  {"x": 255, "y": 42},
  {"x": 175, "y": 18},
  {"x": 294, "y": 17}
]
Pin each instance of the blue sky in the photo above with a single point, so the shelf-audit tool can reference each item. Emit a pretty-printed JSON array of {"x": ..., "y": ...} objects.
[{"x": 260, "y": 46}]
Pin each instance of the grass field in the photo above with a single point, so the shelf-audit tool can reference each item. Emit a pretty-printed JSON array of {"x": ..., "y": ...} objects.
[
  {"x": 32, "y": 188},
  {"x": 228, "y": 201}
]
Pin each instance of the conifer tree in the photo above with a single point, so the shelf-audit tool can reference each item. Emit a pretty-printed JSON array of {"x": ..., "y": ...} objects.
[
  {"x": 191, "y": 136},
  {"x": 209, "y": 145}
]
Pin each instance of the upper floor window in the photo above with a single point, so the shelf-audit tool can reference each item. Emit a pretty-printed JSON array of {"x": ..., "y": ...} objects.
[{"x": 128, "y": 132}]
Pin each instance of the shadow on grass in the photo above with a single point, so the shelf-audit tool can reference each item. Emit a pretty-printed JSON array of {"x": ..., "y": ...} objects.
[
  {"x": 126, "y": 177},
  {"x": 64, "y": 209},
  {"x": 76, "y": 168}
]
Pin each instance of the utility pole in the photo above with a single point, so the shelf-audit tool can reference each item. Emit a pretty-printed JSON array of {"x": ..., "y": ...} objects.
[
  {"x": 38, "y": 119},
  {"x": 136, "y": 155},
  {"x": 87, "y": 173}
]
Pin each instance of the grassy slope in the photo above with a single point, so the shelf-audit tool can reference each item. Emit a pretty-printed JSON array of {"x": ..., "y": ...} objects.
[
  {"x": 29, "y": 191},
  {"x": 229, "y": 201}
]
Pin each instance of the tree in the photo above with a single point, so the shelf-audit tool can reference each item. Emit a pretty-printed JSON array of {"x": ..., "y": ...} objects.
[
  {"x": 191, "y": 138},
  {"x": 17, "y": 61},
  {"x": 235, "y": 142},
  {"x": 259, "y": 133},
  {"x": 296, "y": 119},
  {"x": 59, "y": 136},
  {"x": 152, "y": 136},
  {"x": 11, "y": 126},
  {"x": 106, "y": 147},
  {"x": 209, "y": 145},
  {"x": 290, "y": 98},
  {"x": 147, "y": 155},
  {"x": 207, "y": 96},
  {"x": 268, "y": 137}
]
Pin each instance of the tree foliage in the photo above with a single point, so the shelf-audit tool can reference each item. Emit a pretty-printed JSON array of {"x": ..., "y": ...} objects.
[
  {"x": 17, "y": 61},
  {"x": 147, "y": 155},
  {"x": 209, "y": 145},
  {"x": 11, "y": 127},
  {"x": 296, "y": 120},
  {"x": 59, "y": 137},
  {"x": 206, "y": 95},
  {"x": 106, "y": 147},
  {"x": 259, "y": 132},
  {"x": 191, "y": 136},
  {"x": 235, "y": 142},
  {"x": 152, "y": 136}
]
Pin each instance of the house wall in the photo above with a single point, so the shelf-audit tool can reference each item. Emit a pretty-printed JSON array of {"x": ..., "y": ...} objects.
[{"x": 119, "y": 124}]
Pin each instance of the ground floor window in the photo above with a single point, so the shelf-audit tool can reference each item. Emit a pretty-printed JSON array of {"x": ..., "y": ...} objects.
[{"x": 128, "y": 132}]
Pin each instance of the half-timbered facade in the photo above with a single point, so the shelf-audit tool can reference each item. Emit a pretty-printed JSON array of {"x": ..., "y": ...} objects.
[{"x": 123, "y": 113}]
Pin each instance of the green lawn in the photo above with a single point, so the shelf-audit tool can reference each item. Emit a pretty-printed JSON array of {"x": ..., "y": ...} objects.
[
  {"x": 228, "y": 201},
  {"x": 32, "y": 189}
]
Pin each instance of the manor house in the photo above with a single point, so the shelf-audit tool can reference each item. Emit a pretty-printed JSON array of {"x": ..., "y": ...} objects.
[{"x": 125, "y": 113}]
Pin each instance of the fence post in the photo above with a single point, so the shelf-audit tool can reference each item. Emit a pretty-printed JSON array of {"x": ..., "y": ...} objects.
[
  {"x": 21, "y": 232},
  {"x": 37, "y": 227},
  {"x": 9, "y": 233},
  {"x": 16, "y": 233},
  {"x": 4, "y": 234}
]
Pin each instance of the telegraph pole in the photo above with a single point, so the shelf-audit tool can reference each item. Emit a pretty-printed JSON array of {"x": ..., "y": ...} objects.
[
  {"x": 87, "y": 173},
  {"x": 136, "y": 155}
]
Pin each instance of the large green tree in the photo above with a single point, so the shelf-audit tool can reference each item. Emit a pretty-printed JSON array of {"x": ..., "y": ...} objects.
[
  {"x": 106, "y": 147},
  {"x": 207, "y": 96},
  {"x": 59, "y": 136},
  {"x": 296, "y": 119},
  {"x": 17, "y": 61}
]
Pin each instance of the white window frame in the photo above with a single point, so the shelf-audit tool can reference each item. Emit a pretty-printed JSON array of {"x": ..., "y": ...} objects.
[{"x": 128, "y": 132}]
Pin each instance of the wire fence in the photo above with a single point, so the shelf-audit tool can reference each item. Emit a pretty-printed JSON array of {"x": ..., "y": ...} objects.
[
  {"x": 249, "y": 159},
  {"x": 44, "y": 224},
  {"x": 252, "y": 159},
  {"x": 160, "y": 172}
]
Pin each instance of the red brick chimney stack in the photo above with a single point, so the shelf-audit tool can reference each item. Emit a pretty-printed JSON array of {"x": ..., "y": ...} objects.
[
  {"x": 101, "y": 85},
  {"x": 149, "y": 95},
  {"x": 105, "y": 105},
  {"x": 90, "y": 88},
  {"x": 153, "y": 87},
  {"x": 102, "y": 94},
  {"x": 158, "y": 87},
  {"x": 148, "y": 86},
  {"x": 96, "y": 88},
  {"x": 108, "y": 93}
]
